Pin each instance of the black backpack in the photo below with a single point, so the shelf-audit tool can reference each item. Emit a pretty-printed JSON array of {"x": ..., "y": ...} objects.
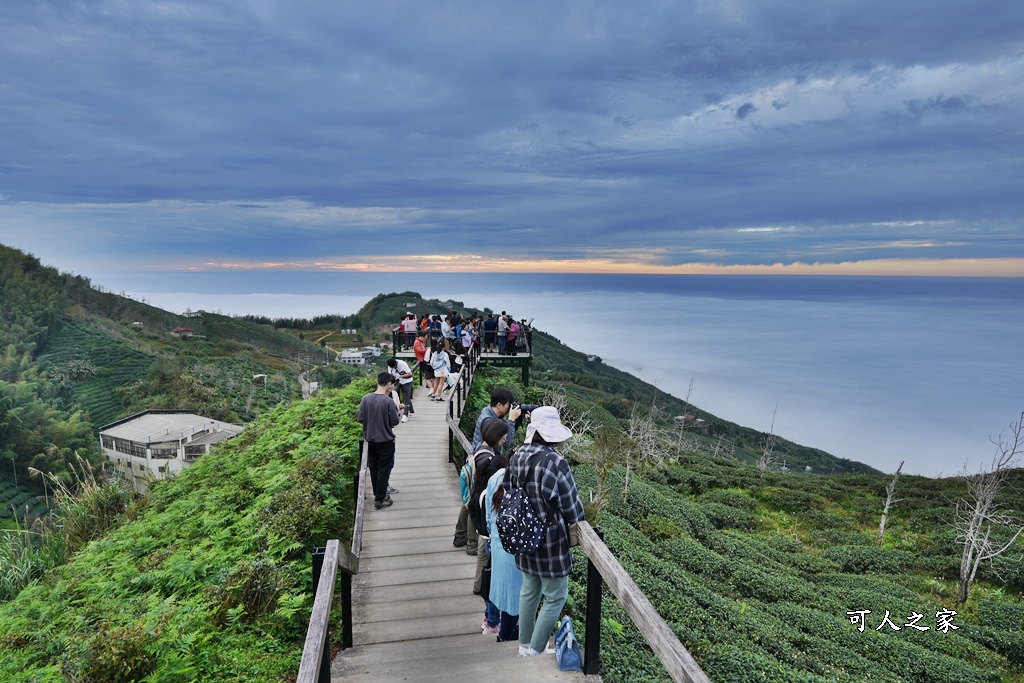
[{"x": 519, "y": 525}]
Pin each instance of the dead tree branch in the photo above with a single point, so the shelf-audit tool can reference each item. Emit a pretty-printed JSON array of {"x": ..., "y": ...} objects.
[
  {"x": 978, "y": 514},
  {"x": 890, "y": 490}
]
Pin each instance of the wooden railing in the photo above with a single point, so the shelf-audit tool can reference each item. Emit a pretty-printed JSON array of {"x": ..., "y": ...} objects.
[
  {"x": 602, "y": 567},
  {"x": 315, "y": 666}
]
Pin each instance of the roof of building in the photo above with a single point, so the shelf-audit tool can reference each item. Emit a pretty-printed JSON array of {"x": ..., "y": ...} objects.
[
  {"x": 226, "y": 433},
  {"x": 154, "y": 426}
]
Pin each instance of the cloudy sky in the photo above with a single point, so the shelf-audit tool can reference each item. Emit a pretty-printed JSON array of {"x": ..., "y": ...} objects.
[{"x": 840, "y": 136}]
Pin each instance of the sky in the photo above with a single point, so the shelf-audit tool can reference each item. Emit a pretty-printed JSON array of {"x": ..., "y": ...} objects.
[{"x": 729, "y": 136}]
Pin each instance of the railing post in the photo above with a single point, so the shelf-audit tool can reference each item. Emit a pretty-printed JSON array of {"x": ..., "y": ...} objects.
[
  {"x": 325, "y": 658},
  {"x": 592, "y": 653},
  {"x": 451, "y": 435},
  {"x": 347, "y": 618}
]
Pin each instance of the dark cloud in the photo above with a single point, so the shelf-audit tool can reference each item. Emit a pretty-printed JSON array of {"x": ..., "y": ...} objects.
[{"x": 612, "y": 126}]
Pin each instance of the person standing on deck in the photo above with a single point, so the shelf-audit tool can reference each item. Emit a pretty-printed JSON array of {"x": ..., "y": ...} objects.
[
  {"x": 502, "y": 334},
  {"x": 490, "y": 332},
  {"x": 402, "y": 373},
  {"x": 549, "y": 484},
  {"x": 503, "y": 406},
  {"x": 420, "y": 348},
  {"x": 379, "y": 415}
]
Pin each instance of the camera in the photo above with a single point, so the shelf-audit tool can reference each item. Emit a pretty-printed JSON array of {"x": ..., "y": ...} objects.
[{"x": 526, "y": 409}]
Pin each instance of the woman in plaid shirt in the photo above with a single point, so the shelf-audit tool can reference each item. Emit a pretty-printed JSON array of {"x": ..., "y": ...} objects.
[{"x": 550, "y": 486}]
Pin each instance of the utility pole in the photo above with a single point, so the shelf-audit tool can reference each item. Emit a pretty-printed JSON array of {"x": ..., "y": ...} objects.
[{"x": 15, "y": 468}]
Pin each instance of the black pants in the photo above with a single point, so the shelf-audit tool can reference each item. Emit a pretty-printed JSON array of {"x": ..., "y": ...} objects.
[{"x": 380, "y": 459}]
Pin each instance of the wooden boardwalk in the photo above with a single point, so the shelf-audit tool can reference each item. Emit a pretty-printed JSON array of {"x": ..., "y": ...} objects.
[{"x": 416, "y": 618}]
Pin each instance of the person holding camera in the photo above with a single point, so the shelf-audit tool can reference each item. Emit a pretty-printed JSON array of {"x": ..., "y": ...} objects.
[{"x": 503, "y": 407}]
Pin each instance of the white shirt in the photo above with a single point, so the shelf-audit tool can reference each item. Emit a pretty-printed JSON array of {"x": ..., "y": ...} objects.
[{"x": 401, "y": 368}]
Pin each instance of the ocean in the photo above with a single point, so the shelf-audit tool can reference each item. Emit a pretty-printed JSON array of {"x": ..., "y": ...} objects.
[{"x": 875, "y": 369}]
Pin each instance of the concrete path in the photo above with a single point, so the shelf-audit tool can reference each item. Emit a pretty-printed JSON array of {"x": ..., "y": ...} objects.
[{"x": 416, "y": 618}]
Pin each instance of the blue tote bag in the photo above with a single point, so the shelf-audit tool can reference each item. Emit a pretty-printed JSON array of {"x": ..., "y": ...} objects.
[{"x": 567, "y": 648}]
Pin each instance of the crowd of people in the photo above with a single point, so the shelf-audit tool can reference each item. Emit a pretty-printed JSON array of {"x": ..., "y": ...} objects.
[
  {"x": 523, "y": 594},
  {"x": 493, "y": 333}
]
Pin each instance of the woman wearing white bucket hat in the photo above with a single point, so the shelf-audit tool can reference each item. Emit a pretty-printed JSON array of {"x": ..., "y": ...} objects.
[{"x": 550, "y": 486}]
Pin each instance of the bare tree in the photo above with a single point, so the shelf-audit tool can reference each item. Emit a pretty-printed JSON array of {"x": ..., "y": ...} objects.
[
  {"x": 645, "y": 443},
  {"x": 580, "y": 424},
  {"x": 981, "y": 523},
  {"x": 767, "y": 459},
  {"x": 889, "y": 500}
]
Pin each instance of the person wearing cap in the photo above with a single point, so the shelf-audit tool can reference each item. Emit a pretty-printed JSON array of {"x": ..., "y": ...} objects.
[
  {"x": 379, "y": 415},
  {"x": 551, "y": 488}
]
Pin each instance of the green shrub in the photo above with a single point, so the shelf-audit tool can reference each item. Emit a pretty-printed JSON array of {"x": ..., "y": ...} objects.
[
  {"x": 791, "y": 500},
  {"x": 658, "y": 528},
  {"x": 858, "y": 559},
  {"x": 726, "y": 516},
  {"x": 1001, "y": 615},
  {"x": 1009, "y": 644},
  {"x": 115, "y": 654}
]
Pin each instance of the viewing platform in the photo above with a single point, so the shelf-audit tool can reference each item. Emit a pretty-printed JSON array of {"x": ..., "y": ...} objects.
[{"x": 522, "y": 358}]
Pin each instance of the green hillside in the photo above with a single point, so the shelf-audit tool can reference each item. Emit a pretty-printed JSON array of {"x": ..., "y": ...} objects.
[
  {"x": 73, "y": 358},
  {"x": 207, "y": 577}
]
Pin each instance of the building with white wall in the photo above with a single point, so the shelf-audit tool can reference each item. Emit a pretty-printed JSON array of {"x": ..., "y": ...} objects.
[{"x": 158, "y": 443}]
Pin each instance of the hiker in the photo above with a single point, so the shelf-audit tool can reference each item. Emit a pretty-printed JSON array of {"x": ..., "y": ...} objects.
[
  {"x": 422, "y": 351},
  {"x": 490, "y": 332},
  {"x": 441, "y": 366},
  {"x": 402, "y": 373},
  {"x": 409, "y": 327},
  {"x": 506, "y": 577},
  {"x": 379, "y": 416},
  {"x": 486, "y": 462},
  {"x": 512, "y": 336},
  {"x": 503, "y": 406},
  {"x": 551, "y": 489},
  {"x": 502, "y": 334}
]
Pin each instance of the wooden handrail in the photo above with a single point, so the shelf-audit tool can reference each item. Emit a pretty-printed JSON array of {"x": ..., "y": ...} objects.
[
  {"x": 357, "y": 521},
  {"x": 315, "y": 659},
  {"x": 676, "y": 659},
  {"x": 316, "y": 635},
  {"x": 454, "y": 427},
  {"x": 674, "y": 656}
]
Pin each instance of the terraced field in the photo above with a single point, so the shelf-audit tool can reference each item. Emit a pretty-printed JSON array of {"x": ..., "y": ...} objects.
[
  {"x": 19, "y": 503},
  {"x": 117, "y": 364}
]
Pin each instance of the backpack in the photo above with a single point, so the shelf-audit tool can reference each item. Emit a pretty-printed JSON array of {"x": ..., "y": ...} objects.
[
  {"x": 519, "y": 526},
  {"x": 477, "y": 510}
]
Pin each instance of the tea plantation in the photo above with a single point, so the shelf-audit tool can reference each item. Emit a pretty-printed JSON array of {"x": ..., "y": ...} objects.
[{"x": 757, "y": 577}]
